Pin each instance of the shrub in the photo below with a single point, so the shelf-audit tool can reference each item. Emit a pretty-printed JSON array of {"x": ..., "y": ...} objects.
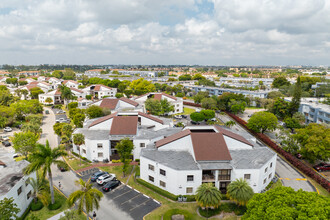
[
  {"x": 168, "y": 215},
  {"x": 55, "y": 206},
  {"x": 36, "y": 206},
  {"x": 190, "y": 198},
  {"x": 137, "y": 160},
  {"x": 227, "y": 207},
  {"x": 116, "y": 161},
  {"x": 158, "y": 190}
]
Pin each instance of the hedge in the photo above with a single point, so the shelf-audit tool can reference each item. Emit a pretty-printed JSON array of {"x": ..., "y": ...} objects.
[
  {"x": 289, "y": 157},
  {"x": 55, "y": 206},
  {"x": 157, "y": 190},
  {"x": 83, "y": 158},
  {"x": 36, "y": 206}
]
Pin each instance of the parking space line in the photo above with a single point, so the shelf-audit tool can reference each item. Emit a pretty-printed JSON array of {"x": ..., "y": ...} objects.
[
  {"x": 130, "y": 199},
  {"x": 146, "y": 196},
  {"x": 129, "y": 186},
  {"x": 136, "y": 190},
  {"x": 121, "y": 194},
  {"x": 138, "y": 205},
  {"x": 157, "y": 201}
]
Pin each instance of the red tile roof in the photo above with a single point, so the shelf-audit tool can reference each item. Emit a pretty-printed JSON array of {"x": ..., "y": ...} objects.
[
  {"x": 232, "y": 135},
  {"x": 151, "y": 117},
  {"x": 209, "y": 146},
  {"x": 124, "y": 125},
  {"x": 109, "y": 103},
  {"x": 129, "y": 101},
  {"x": 103, "y": 119},
  {"x": 66, "y": 81},
  {"x": 98, "y": 87},
  {"x": 58, "y": 92},
  {"x": 172, "y": 138}
]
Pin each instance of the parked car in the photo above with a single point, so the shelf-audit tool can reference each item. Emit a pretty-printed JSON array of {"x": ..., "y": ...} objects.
[
  {"x": 7, "y": 129},
  {"x": 213, "y": 119},
  {"x": 62, "y": 120},
  {"x": 62, "y": 169},
  {"x": 5, "y": 138},
  {"x": 47, "y": 112},
  {"x": 322, "y": 167},
  {"x": 16, "y": 155},
  {"x": 57, "y": 121},
  {"x": 195, "y": 122},
  {"x": 178, "y": 116},
  {"x": 105, "y": 178},
  {"x": 111, "y": 185},
  {"x": 60, "y": 112},
  {"x": 6, "y": 143},
  {"x": 53, "y": 106},
  {"x": 184, "y": 116},
  {"x": 97, "y": 175}
]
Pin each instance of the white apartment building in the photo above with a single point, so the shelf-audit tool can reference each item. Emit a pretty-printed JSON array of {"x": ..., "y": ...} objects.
[
  {"x": 118, "y": 104},
  {"x": 71, "y": 84},
  {"x": 180, "y": 163},
  {"x": 175, "y": 101},
  {"x": 99, "y": 91},
  {"x": 102, "y": 134},
  {"x": 13, "y": 183}
]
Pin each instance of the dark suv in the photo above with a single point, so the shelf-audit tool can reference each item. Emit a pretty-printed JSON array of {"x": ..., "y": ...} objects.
[
  {"x": 322, "y": 167},
  {"x": 111, "y": 185},
  {"x": 97, "y": 175}
]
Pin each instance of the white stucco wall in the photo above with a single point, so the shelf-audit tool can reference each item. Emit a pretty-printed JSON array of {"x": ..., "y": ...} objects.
[
  {"x": 182, "y": 144},
  {"x": 92, "y": 150},
  {"x": 103, "y": 125},
  {"x": 234, "y": 144},
  {"x": 147, "y": 121}
]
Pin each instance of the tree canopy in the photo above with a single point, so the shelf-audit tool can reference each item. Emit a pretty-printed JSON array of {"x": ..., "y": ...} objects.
[
  {"x": 208, "y": 195},
  {"x": 8, "y": 209},
  {"x": 285, "y": 203},
  {"x": 24, "y": 142},
  {"x": 124, "y": 149},
  {"x": 280, "y": 81},
  {"x": 197, "y": 116},
  {"x": 262, "y": 121}
]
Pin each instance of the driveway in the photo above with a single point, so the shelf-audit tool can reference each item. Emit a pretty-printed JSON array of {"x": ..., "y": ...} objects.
[{"x": 47, "y": 129}]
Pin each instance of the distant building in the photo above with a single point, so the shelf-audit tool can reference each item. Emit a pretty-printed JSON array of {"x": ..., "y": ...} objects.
[
  {"x": 118, "y": 104},
  {"x": 13, "y": 182},
  {"x": 71, "y": 84},
  {"x": 100, "y": 91}
]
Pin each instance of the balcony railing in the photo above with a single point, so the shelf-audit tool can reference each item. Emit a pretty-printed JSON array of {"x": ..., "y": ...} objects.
[{"x": 208, "y": 178}]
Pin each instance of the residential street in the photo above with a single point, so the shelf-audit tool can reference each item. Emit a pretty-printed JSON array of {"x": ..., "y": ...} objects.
[{"x": 47, "y": 129}]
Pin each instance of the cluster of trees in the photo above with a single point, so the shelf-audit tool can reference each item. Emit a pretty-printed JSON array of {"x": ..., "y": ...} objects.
[
  {"x": 67, "y": 74},
  {"x": 159, "y": 107},
  {"x": 202, "y": 115}
]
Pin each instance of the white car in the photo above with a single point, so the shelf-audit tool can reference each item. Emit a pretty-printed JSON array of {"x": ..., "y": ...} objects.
[
  {"x": 60, "y": 112},
  {"x": 62, "y": 120},
  {"x": 105, "y": 178},
  {"x": 177, "y": 116},
  {"x": 7, "y": 129}
]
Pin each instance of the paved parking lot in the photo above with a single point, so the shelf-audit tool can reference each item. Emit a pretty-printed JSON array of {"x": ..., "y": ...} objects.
[
  {"x": 127, "y": 199},
  {"x": 59, "y": 116}
]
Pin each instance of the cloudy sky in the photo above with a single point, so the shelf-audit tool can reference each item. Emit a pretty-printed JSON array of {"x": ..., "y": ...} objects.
[{"x": 207, "y": 32}]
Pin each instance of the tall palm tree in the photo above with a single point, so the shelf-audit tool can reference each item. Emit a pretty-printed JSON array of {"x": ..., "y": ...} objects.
[
  {"x": 88, "y": 197},
  {"x": 79, "y": 139},
  {"x": 230, "y": 123},
  {"x": 66, "y": 93},
  {"x": 39, "y": 186},
  {"x": 43, "y": 158},
  {"x": 208, "y": 195},
  {"x": 240, "y": 191}
]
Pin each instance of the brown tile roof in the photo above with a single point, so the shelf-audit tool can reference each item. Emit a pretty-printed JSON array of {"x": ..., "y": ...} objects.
[
  {"x": 58, "y": 92},
  {"x": 129, "y": 101},
  {"x": 124, "y": 125},
  {"x": 34, "y": 83},
  {"x": 66, "y": 81},
  {"x": 30, "y": 86},
  {"x": 22, "y": 79},
  {"x": 98, "y": 87},
  {"x": 158, "y": 96},
  {"x": 109, "y": 103},
  {"x": 103, "y": 119},
  {"x": 151, "y": 117},
  {"x": 209, "y": 146},
  {"x": 232, "y": 135},
  {"x": 172, "y": 138},
  {"x": 169, "y": 96}
]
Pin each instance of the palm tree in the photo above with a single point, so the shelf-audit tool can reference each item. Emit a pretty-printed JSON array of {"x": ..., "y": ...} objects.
[
  {"x": 240, "y": 191},
  {"x": 39, "y": 186},
  {"x": 24, "y": 93},
  {"x": 66, "y": 93},
  {"x": 208, "y": 195},
  {"x": 79, "y": 139},
  {"x": 43, "y": 158},
  {"x": 230, "y": 123},
  {"x": 88, "y": 197}
]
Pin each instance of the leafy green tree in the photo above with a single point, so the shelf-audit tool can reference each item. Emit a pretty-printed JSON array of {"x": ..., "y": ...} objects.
[
  {"x": 24, "y": 142},
  {"x": 153, "y": 106},
  {"x": 209, "y": 103},
  {"x": 227, "y": 100},
  {"x": 34, "y": 118},
  {"x": 79, "y": 139},
  {"x": 262, "y": 121},
  {"x": 230, "y": 123},
  {"x": 124, "y": 149},
  {"x": 3, "y": 121},
  {"x": 197, "y": 116},
  {"x": 166, "y": 106},
  {"x": 208, "y": 114},
  {"x": 6, "y": 98},
  {"x": 280, "y": 81},
  {"x": 42, "y": 159},
  {"x": 69, "y": 74},
  {"x": 292, "y": 123},
  {"x": 8, "y": 209},
  {"x": 119, "y": 95},
  {"x": 39, "y": 192},
  {"x": 67, "y": 130},
  {"x": 49, "y": 100},
  {"x": 199, "y": 96},
  {"x": 72, "y": 105},
  {"x": 314, "y": 141},
  {"x": 285, "y": 203},
  {"x": 274, "y": 95},
  {"x": 66, "y": 93},
  {"x": 32, "y": 127},
  {"x": 142, "y": 86},
  {"x": 299, "y": 117},
  {"x": 208, "y": 196},
  {"x": 58, "y": 128},
  {"x": 198, "y": 76},
  {"x": 240, "y": 191},
  {"x": 13, "y": 81},
  {"x": 24, "y": 93},
  {"x": 94, "y": 111},
  {"x": 88, "y": 197},
  {"x": 22, "y": 83},
  {"x": 74, "y": 111},
  {"x": 57, "y": 74},
  {"x": 237, "y": 106},
  {"x": 288, "y": 143},
  {"x": 185, "y": 77},
  {"x": 78, "y": 120},
  {"x": 25, "y": 107},
  {"x": 280, "y": 108},
  {"x": 295, "y": 102},
  {"x": 35, "y": 92},
  {"x": 205, "y": 82}
]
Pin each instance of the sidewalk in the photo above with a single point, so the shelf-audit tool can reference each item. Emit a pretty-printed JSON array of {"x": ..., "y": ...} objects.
[{"x": 103, "y": 165}]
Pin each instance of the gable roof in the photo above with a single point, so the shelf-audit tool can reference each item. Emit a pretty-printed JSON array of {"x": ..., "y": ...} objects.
[
  {"x": 151, "y": 117},
  {"x": 77, "y": 90},
  {"x": 98, "y": 87},
  {"x": 109, "y": 103},
  {"x": 173, "y": 137},
  {"x": 72, "y": 81},
  {"x": 157, "y": 95},
  {"x": 129, "y": 101},
  {"x": 98, "y": 121},
  {"x": 124, "y": 125},
  {"x": 232, "y": 135},
  {"x": 209, "y": 146}
]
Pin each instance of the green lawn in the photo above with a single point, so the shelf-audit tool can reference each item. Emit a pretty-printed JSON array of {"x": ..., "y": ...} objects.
[
  {"x": 252, "y": 107},
  {"x": 118, "y": 171},
  {"x": 75, "y": 163},
  {"x": 188, "y": 111}
]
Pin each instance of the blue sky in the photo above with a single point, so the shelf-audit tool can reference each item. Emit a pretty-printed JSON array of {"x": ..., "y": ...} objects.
[{"x": 206, "y": 32}]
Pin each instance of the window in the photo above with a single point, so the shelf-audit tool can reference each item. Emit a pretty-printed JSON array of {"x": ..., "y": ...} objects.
[
  {"x": 189, "y": 190},
  {"x": 28, "y": 196},
  {"x": 162, "y": 172},
  {"x": 26, "y": 182},
  {"x": 224, "y": 175},
  {"x": 84, "y": 151},
  {"x": 99, "y": 146},
  {"x": 190, "y": 178},
  {"x": 161, "y": 183},
  {"x": 151, "y": 178},
  {"x": 271, "y": 165},
  {"x": 270, "y": 176},
  {"x": 99, "y": 154},
  {"x": 247, "y": 176},
  {"x": 266, "y": 169},
  {"x": 151, "y": 167},
  {"x": 19, "y": 191},
  {"x": 265, "y": 180},
  {"x": 142, "y": 144}
]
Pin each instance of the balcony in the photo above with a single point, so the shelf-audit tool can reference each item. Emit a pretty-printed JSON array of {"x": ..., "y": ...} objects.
[{"x": 208, "y": 176}]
